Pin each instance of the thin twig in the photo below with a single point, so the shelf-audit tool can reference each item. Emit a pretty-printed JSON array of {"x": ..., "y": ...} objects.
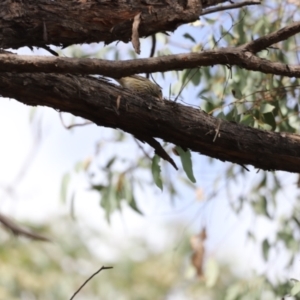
[
  {"x": 102, "y": 268},
  {"x": 143, "y": 150},
  {"x": 217, "y": 130},
  {"x": 226, "y": 7},
  {"x": 73, "y": 125},
  {"x": 186, "y": 82},
  {"x": 272, "y": 38},
  {"x": 19, "y": 231},
  {"x": 152, "y": 51}
]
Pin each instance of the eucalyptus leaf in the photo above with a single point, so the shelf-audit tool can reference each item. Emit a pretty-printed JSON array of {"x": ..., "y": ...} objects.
[
  {"x": 156, "y": 171},
  {"x": 296, "y": 289},
  {"x": 64, "y": 187},
  {"x": 186, "y": 161}
]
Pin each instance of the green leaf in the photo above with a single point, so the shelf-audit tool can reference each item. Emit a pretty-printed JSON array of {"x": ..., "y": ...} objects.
[
  {"x": 270, "y": 120},
  {"x": 79, "y": 166},
  {"x": 72, "y": 206},
  {"x": 98, "y": 187},
  {"x": 110, "y": 163},
  {"x": 247, "y": 120},
  {"x": 156, "y": 171},
  {"x": 212, "y": 272},
  {"x": 64, "y": 187},
  {"x": 266, "y": 108},
  {"x": 109, "y": 201},
  {"x": 32, "y": 113},
  {"x": 296, "y": 289},
  {"x": 186, "y": 161},
  {"x": 209, "y": 21},
  {"x": 261, "y": 206},
  {"x": 237, "y": 94},
  {"x": 191, "y": 75},
  {"x": 189, "y": 37},
  {"x": 133, "y": 205},
  {"x": 233, "y": 292},
  {"x": 241, "y": 108},
  {"x": 196, "y": 76},
  {"x": 265, "y": 249}
]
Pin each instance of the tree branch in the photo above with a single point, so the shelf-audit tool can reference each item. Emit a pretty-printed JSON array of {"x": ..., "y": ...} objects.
[
  {"x": 90, "y": 21},
  {"x": 94, "y": 21},
  {"x": 17, "y": 230},
  {"x": 146, "y": 118},
  {"x": 224, "y": 56},
  {"x": 231, "y": 6},
  {"x": 272, "y": 38},
  {"x": 242, "y": 56},
  {"x": 86, "y": 281}
]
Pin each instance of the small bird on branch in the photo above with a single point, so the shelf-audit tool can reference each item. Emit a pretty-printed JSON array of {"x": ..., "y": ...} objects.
[{"x": 141, "y": 85}]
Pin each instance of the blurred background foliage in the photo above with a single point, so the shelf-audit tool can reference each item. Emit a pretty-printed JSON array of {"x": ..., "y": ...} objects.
[
  {"x": 32, "y": 270},
  {"x": 122, "y": 172}
]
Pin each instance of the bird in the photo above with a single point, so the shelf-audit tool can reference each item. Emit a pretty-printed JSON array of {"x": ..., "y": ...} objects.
[{"x": 141, "y": 85}]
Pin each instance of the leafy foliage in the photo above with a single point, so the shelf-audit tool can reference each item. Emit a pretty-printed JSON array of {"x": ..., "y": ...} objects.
[{"x": 117, "y": 176}]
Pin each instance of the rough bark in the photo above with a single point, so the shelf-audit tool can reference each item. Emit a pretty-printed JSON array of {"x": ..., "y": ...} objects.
[
  {"x": 245, "y": 56},
  {"x": 38, "y": 23},
  {"x": 226, "y": 56},
  {"x": 63, "y": 23},
  {"x": 99, "y": 101}
]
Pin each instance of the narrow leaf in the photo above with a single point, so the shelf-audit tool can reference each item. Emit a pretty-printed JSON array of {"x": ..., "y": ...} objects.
[
  {"x": 186, "y": 161},
  {"x": 64, "y": 187},
  {"x": 270, "y": 120},
  {"x": 212, "y": 273},
  {"x": 265, "y": 249},
  {"x": 188, "y": 36},
  {"x": 266, "y": 108},
  {"x": 156, "y": 171}
]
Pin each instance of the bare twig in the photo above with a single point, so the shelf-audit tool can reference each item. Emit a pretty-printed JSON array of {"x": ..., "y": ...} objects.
[
  {"x": 102, "y": 268},
  {"x": 74, "y": 125},
  {"x": 152, "y": 51},
  {"x": 184, "y": 84},
  {"x": 217, "y": 130},
  {"x": 143, "y": 150},
  {"x": 19, "y": 231},
  {"x": 153, "y": 38},
  {"x": 272, "y": 38},
  {"x": 227, "y": 7}
]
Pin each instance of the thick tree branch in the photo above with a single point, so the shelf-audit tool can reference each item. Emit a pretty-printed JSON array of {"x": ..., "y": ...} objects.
[
  {"x": 38, "y": 23},
  {"x": 41, "y": 23},
  {"x": 224, "y": 56},
  {"x": 97, "y": 100}
]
